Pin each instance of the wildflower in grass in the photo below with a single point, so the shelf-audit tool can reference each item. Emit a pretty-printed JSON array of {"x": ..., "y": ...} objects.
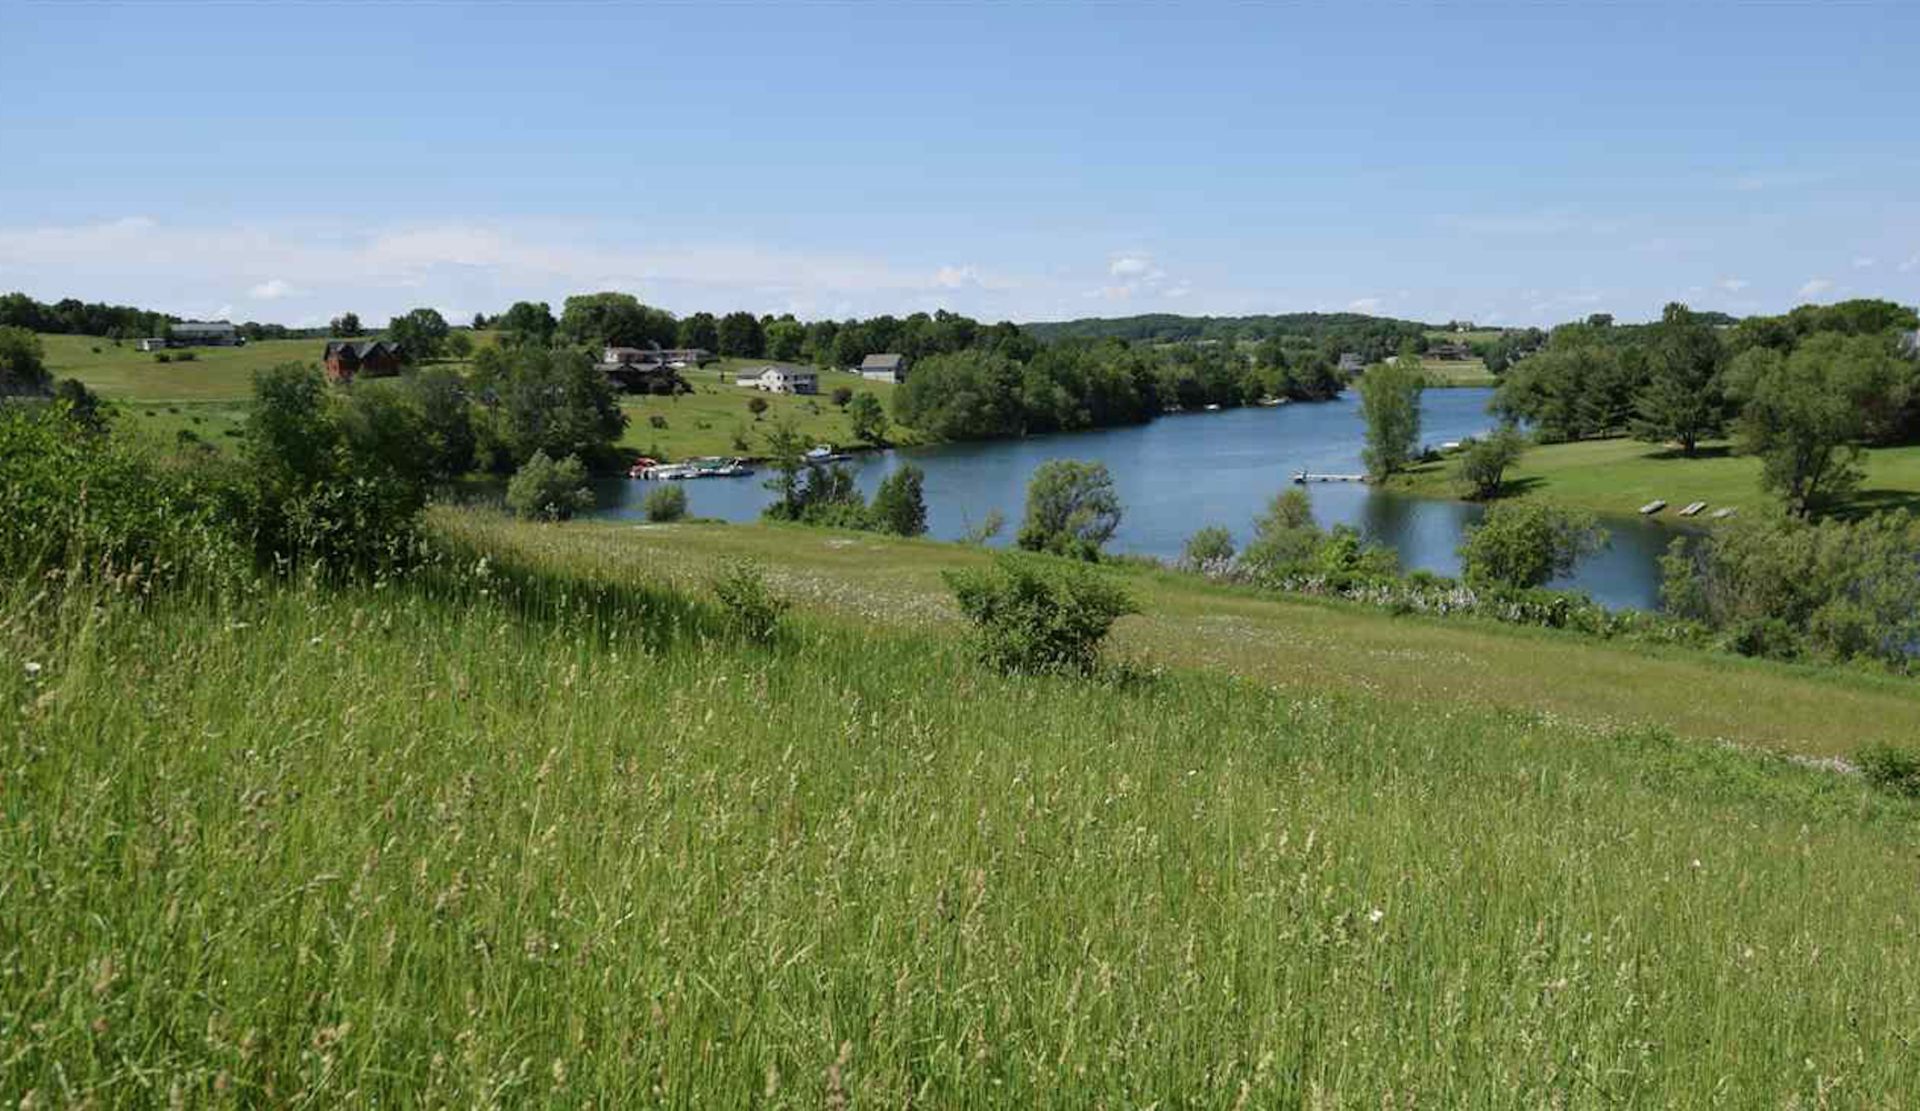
[{"x": 33, "y": 668}]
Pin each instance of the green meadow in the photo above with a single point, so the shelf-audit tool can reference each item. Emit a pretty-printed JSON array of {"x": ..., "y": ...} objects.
[
  {"x": 714, "y": 418},
  {"x": 1620, "y": 476},
  {"x": 531, "y": 826}
]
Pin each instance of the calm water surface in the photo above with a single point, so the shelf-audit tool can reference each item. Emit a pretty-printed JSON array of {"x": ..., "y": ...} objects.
[{"x": 1192, "y": 469}]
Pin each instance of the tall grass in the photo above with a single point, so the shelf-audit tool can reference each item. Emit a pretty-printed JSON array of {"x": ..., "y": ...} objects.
[{"x": 496, "y": 835}]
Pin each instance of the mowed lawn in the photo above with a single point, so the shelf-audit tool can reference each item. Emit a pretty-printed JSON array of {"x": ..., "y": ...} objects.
[
  {"x": 1620, "y": 476},
  {"x": 716, "y": 419},
  {"x": 1446, "y": 373},
  {"x": 1299, "y": 645},
  {"x": 214, "y": 374}
]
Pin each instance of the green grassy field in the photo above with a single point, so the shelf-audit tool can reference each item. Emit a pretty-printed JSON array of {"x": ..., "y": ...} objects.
[
  {"x": 1445, "y": 374},
  {"x": 215, "y": 374},
  {"x": 535, "y": 831},
  {"x": 1620, "y": 476},
  {"x": 707, "y": 421}
]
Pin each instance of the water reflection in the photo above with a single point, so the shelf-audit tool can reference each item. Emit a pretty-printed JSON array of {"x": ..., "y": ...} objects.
[{"x": 1188, "y": 470}]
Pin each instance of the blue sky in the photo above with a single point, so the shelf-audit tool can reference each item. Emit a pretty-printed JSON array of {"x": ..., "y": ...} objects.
[{"x": 1504, "y": 162}]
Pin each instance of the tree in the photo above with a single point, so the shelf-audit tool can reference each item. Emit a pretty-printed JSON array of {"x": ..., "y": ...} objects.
[
  {"x": 1683, "y": 400},
  {"x": 784, "y": 339},
  {"x": 1527, "y": 544},
  {"x": 757, "y": 406},
  {"x": 665, "y": 502},
  {"x": 869, "y": 419},
  {"x": 548, "y": 491},
  {"x": 700, "y": 331},
  {"x": 421, "y": 334},
  {"x": 1484, "y": 462},
  {"x": 527, "y": 324},
  {"x": 615, "y": 320},
  {"x": 344, "y": 326},
  {"x": 1208, "y": 549},
  {"x": 1072, "y": 509},
  {"x": 786, "y": 453},
  {"x": 1801, "y": 413},
  {"x": 740, "y": 336},
  {"x": 554, "y": 401},
  {"x": 448, "y": 440},
  {"x": 1286, "y": 535},
  {"x": 82, "y": 405},
  {"x": 841, "y": 395},
  {"x": 23, "y": 364},
  {"x": 459, "y": 345},
  {"x": 1390, "y": 402},
  {"x": 899, "y": 505},
  {"x": 967, "y": 395}
]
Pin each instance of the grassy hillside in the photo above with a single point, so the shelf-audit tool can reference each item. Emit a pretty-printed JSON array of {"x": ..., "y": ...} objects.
[
  {"x": 1619, "y": 476},
  {"x": 215, "y": 374},
  {"x": 1444, "y": 374},
  {"x": 550, "y": 837}
]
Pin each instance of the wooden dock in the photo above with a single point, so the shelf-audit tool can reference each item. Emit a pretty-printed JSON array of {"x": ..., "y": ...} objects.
[{"x": 1304, "y": 477}]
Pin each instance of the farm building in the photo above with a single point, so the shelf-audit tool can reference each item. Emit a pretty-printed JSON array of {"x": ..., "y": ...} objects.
[
  {"x": 780, "y": 379},
  {"x": 884, "y": 368},
  {"x": 207, "y": 333},
  {"x": 346, "y": 360}
]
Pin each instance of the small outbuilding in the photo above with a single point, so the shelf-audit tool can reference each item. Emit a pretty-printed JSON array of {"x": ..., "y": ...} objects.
[{"x": 884, "y": 368}]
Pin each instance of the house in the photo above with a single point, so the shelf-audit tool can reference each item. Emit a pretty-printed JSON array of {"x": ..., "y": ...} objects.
[
  {"x": 207, "y": 333},
  {"x": 1351, "y": 363},
  {"x": 347, "y": 359},
  {"x": 884, "y": 368},
  {"x": 675, "y": 357},
  {"x": 780, "y": 379},
  {"x": 1449, "y": 352},
  {"x": 638, "y": 370}
]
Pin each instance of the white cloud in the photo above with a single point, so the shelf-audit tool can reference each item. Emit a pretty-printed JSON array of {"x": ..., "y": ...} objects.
[
  {"x": 1910, "y": 265},
  {"x": 1815, "y": 287},
  {"x": 1364, "y": 304},
  {"x": 1130, "y": 265},
  {"x": 1864, "y": 263},
  {"x": 1733, "y": 285},
  {"x": 272, "y": 290},
  {"x": 955, "y": 277}
]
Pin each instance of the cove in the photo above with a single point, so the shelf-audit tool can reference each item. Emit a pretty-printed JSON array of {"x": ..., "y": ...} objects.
[{"x": 1183, "y": 471}]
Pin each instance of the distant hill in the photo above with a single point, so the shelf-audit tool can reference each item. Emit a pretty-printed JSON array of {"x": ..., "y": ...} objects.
[{"x": 1171, "y": 327}]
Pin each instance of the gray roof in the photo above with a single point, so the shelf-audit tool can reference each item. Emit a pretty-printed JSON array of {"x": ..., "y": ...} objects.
[
  {"x": 203, "y": 326},
  {"x": 360, "y": 349},
  {"x": 882, "y": 362}
]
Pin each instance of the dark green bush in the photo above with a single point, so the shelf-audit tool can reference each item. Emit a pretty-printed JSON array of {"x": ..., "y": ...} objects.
[
  {"x": 1890, "y": 768},
  {"x": 1034, "y": 615},
  {"x": 753, "y": 609},
  {"x": 665, "y": 502},
  {"x": 545, "y": 490}
]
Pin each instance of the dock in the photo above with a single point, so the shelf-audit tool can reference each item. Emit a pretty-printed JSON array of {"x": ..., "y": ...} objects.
[
  {"x": 1652, "y": 507},
  {"x": 1304, "y": 477}
]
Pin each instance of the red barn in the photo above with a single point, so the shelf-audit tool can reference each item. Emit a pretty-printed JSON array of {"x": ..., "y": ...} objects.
[{"x": 346, "y": 360}]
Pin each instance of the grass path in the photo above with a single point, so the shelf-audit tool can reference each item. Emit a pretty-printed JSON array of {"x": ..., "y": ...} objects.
[{"x": 1298, "y": 645}]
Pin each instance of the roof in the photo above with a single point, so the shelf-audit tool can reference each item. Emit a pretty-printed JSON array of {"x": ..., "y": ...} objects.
[
  {"x": 882, "y": 362},
  {"x": 360, "y": 349},
  {"x": 203, "y": 326}
]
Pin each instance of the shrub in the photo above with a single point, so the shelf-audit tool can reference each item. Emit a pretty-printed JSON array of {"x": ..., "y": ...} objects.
[
  {"x": 1071, "y": 509},
  {"x": 1036, "y": 616},
  {"x": 1284, "y": 537},
  {"x": 990, "y": 526},
  {"x": 545, "y": 490},
  {"x": 753, "y": 609},
  {"x": 842, "y": 395},
  {"x": 1890, "y": 768},
  {"x": 185, "y": 357},
  {"x": 1526, "y": 544},
  {"x": 665, "y": 502},
  {"x": 1210, "y": 549},
  {"x": 1483, "y": 464},
  {"x": 162, "y": 357},
  {"x": 756, "y": 406},
  {"x": 657, "y": 421},
  {"x": 900, "y": 504}
]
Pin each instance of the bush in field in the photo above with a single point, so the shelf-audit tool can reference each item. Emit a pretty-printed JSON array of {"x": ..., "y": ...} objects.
[
  {"x": 1285, "y": 535},
  {"x": 1890, "y": 768},
  {"x": 753, "y": 609},
  {"x": 1483, "y": 464},
  {"x": 1037, "y": 616},
  {"x": 665, "y": 502},
  {"x": 1208, "y": 550},
  {"x": 1526, "y": 544},
  {"x": 1071, "y": 509},
  {"x": 900, "y": 504},
  {"x": 548, "y": 491},
  {"x": 23, "y": 363}
]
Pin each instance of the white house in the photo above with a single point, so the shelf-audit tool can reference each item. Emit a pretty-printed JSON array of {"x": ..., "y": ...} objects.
[
  {"x": 884, "y": 368},
  {"x": 780, "y": 379}
]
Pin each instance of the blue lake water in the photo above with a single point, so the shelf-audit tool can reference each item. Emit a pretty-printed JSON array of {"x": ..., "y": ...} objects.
[{"x": 1188, "y": 470}]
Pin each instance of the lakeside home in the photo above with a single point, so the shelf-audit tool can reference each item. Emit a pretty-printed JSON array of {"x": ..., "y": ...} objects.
[
  {"x": 346, "y": 360},
  {"x": 780, "y": 379},
  {"x": 884, "y": 368}
]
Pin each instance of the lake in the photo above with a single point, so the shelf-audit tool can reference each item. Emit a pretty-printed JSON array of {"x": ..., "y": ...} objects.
[{"x": 1187, "y": 470}]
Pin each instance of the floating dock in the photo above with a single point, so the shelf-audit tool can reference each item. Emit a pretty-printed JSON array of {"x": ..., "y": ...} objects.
[{"x": 1304, "y": 477}]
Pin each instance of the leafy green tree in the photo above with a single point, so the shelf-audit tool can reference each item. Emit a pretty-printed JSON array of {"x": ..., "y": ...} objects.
[
  {"x": 23, "y": 363},
  {"x": 345, "y": 326},
  {"x": 1390, "y": 402},
  {"x": 900, "y": 505},
  {"x": 1072, "y": 509},
  {"x": 421, "y": 334},
  {"x": 459, "y": 345},
  {"x": 1683, "y": 400},
  {"x": 869, "y": 419},
  {"x": 1801, "y": 413},
  {"x": 548, "y": 491},
  {"x": 1527, "y": 544},
  {"x": 614, "y": 320},
  {"x": 757, "y": 406},
  {"x": 448, "y": 441},
  {"x": 1483, "y": 463},
  {"x": 1209, "y": 548},
  {"x": 700, "y": 331},
  {"x": 554, "y": 401},
  {"x": 967, "y": 395},
  {"x": 784, "y": 338},
  {"x": 527, "y": 324},
  {"x": 82, "y": 405},
  {"x": 667, "y": 501},
  {"x": 786, "y": 454},
  {"x": 741, "y": 336},
  {"x": 1285, "y": 536}
]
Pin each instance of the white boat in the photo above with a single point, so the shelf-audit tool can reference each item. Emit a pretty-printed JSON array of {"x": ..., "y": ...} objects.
[
  {"x": 1652, "y": 507},
  {"x": 1722, "y": 513},
  {"x": 1214, "y": 407},
  {"x": 1693, "y": 508},
  {"x": 824, "y": 453}
]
